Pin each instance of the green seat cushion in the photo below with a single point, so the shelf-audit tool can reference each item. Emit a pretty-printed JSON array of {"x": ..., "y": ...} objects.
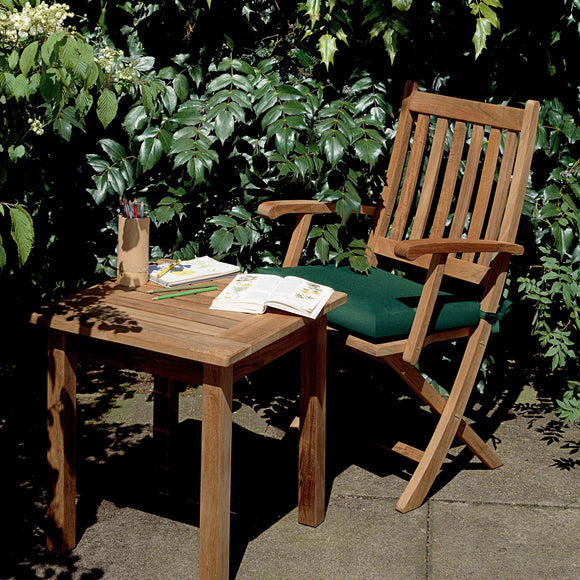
[{"x": 382, "y": 305}]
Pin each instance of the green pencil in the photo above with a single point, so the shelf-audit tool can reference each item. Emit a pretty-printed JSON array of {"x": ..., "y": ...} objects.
[
  {"x": 176, "y": 288},
  {"x": 184, "y": 293}
]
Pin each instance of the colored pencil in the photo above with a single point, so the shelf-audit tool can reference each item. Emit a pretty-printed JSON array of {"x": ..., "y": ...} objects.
[{"x": 184, "y": 293}]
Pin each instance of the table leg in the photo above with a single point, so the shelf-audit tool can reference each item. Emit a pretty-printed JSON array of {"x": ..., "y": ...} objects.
[
  {"x": 61, "y": 453},
  {"x": 165, "y": 420},
  {"x": 311, "y": 476},
  {"x": 216, "y": 455}
]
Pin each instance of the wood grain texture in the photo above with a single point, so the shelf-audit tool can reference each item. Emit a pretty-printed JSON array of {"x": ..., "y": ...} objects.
[
  {"x": 61, "y": 452},
  {"x": 312, "y": 460},
  {"x": 216, "y": 458}
]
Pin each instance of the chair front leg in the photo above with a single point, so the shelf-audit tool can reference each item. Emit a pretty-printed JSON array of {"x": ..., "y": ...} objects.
[
  {"x": 430, "y": 396},
  {"x": 448, "y": 424}
]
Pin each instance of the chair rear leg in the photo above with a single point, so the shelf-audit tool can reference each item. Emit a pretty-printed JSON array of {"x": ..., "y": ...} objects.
[{"x": 430, "y": 396}]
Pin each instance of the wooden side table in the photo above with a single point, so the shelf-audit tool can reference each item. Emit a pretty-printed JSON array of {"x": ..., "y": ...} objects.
[{"x": 180, "y": 339}]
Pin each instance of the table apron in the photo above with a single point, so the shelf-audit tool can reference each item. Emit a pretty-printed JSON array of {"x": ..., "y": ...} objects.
[{"x": 173, "y": 367}]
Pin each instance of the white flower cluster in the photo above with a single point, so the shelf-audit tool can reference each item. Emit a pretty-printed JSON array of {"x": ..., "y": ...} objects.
[
  {"x": 110, "y": 60},
  {"x": 36, "y": 126},
  {"x": 33, "y": 21},
  {"x": 107, "y": 58}
]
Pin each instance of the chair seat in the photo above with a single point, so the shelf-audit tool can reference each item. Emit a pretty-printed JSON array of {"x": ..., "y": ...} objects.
[{"x": 382, "y": 305}]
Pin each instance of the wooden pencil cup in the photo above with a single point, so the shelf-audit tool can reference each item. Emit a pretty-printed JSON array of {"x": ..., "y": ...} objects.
[{"x": 133, "y": 252}]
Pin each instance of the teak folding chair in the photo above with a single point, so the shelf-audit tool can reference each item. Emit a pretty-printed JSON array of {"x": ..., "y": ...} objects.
[{"x": 451, "y": 206}]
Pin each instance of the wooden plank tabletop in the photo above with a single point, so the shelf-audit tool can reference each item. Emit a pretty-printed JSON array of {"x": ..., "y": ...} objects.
[{"x": 182, "y": 326}]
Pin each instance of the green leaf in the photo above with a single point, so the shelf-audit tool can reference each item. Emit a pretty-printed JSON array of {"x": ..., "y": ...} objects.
[
  {"x": 358, "y": 263},
  {"x": 83, "y": 102},
  {"x": 321, "y": 249},
  {"x": 402, "y": 5},
  {"x": 15, "y": 153},
  {"x": 114, "y": 150},
  {"x": 285, "y": 139},
  {"x": 181, "y": 87},
  {"x": 2, "y": 256},
  {"x": 20, "y": 87},
  {"x": 327, "y": 48},
  {"x": 334, "y": 144},
  {"x": 221, "y": 240},
  {"x": 390, "y": 42},
  {"x": 22, "y": 231},
  {"x": 224, "y": 125},
  {"x": 163, "y": 214},
  {"x": 13, "y": 59},
  {"x": 489, "y": 14},
  {"x": 135, "y": 119},
  {"x": 150, "y": 152},
  {"x": 482, "y": 30},
  {"x": 224, "y": 221},
  {"x": 313, "y": 10},
  {"x": 69, "y": 54},
  {"x": 27, "y": 57},
  {"x": 331, "y": 236},
  {"x": 107, "y": 107},
  {"x": 368, "y": 150},
  {"x": 272, "y": 115}
]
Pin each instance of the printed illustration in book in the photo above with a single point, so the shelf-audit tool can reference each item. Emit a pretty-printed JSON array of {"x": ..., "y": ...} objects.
[{"x": 255, "y": 292}]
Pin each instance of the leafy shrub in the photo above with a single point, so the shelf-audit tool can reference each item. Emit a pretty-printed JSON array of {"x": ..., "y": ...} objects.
[{"x": 552, "y": 283}]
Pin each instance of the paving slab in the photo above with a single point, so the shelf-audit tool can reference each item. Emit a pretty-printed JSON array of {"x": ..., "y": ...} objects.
[
  {"x": 126, "y": 544},
  {"x": 360, "y": 538},
  {"x": 490, "y": 541},
  {"x": 532, "y": 472}
]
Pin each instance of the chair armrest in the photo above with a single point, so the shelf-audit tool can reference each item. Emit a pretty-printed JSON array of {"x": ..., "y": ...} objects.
[
  {"x": 412, "y": 249},
  {"x": 274, "y": 209}
]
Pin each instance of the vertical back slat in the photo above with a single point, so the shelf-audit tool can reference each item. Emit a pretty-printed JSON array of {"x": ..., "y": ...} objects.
[
  {"x": 411, "y": 176},
  {"x": 468, "y": 182},
  {"x": 394, "y": 172},
  {"x": 484, "y": 190},
  {"x": 430, "y": 181},
  {"x": 449, "y": 181},
  {"x": 521, "y": 173},
  {"x": 501, "y": 192}
]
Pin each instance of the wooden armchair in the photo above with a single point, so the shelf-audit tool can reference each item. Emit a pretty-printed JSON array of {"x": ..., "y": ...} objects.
[{"x": 451, "y": 206}]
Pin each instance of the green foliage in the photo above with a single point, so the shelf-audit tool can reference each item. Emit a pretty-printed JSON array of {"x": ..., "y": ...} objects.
[
  {"x": 569, "y": 406},
  {"x": 249, "y": 132},
  {"x": 49, "y": 76},
  {"x": 334, "y": 21},
  {"x": 552, "y": 286}
]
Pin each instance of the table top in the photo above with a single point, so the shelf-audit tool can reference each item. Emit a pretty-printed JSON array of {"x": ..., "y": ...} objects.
[{"x": 184, "y": 326}]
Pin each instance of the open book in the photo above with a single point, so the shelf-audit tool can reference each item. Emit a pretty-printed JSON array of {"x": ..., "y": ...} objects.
[
  {"x": 254, "y": 292},
  {"x": 190, "y": 271}
]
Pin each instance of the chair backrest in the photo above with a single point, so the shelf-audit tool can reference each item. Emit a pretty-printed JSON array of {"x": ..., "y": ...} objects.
[{"x": 458, "y": 169}]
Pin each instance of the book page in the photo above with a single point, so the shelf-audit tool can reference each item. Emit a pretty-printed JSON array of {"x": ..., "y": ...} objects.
[
  {"x": 247, "y": 293},
  {"x": 203, "y": 268},
  {"x": 300, "y": 296}
]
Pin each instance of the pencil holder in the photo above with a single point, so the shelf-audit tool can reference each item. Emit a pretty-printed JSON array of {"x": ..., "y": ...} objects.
[{"x": 133, "y": 252}]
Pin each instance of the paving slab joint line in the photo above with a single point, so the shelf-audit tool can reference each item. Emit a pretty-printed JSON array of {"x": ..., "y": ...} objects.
[
  {"x": 367, "y": 497},
  {"x": 428, "y": 542},
  {"x": 571, "y": 506}
]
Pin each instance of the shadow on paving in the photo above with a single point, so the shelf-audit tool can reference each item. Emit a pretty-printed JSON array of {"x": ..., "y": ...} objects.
[{"x": 368, "y": 408}]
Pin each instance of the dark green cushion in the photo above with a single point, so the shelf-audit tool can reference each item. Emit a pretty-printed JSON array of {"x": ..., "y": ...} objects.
[{"x": 382, "y": 305}]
